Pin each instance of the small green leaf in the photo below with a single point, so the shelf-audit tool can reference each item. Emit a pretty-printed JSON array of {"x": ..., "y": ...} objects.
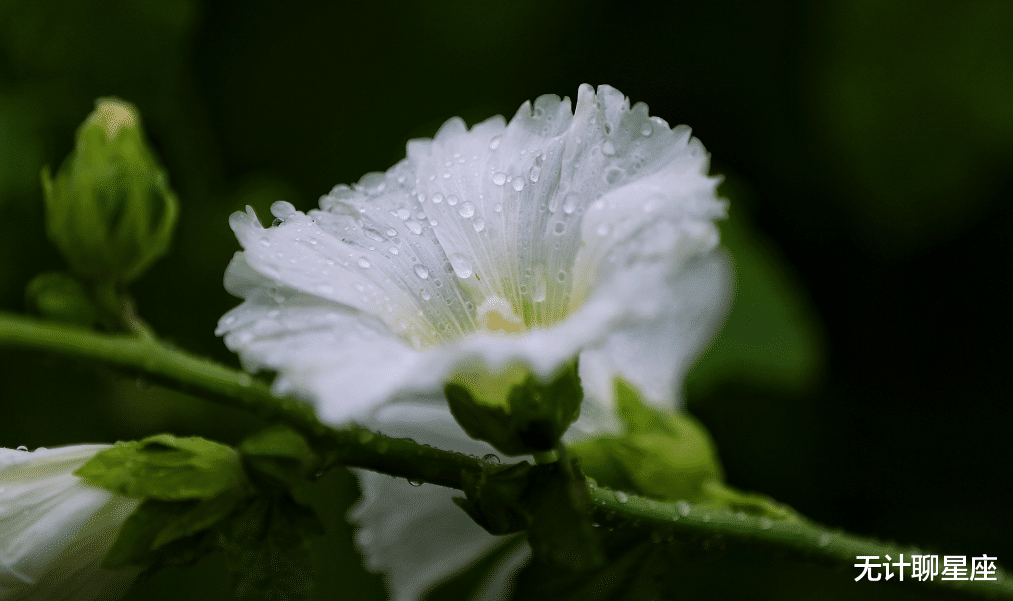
[
  {"x": 155, "y": 525},
  {"x": 279, "y": 453},
  {"x": 166, "y": 468},
  {"x": 266, "y": 550}
]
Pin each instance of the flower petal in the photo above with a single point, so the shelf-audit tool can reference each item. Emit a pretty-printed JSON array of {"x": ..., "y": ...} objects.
[{"x": 562, "y": 226}]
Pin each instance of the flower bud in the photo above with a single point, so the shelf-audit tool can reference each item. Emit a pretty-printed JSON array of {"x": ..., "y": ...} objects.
[
  {"x": 60, "y": 297},
  {"x": 55, "y": 528},
  {"x": 109, "y": 209}
]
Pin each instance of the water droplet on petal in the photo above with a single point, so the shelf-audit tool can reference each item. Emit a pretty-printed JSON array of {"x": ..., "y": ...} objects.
[
  {"x": 494, "y": 143},
  {"x": 451, "y": 200},
  {"x": 415, "y": 482},
  {"x": 478, "y": 224},
  {"x": 499, "y": 178},
  {"x": 646, "y": 131},
  {"x": 425, "y": 294},
  {"x": 23, "y": 449},
  {"x": 437, "y": 198},
  {"x": 373, "y": 235},
  {"x": 467, "y": 209},
  {"x": 403, "y": 214},
  {"x": 608, "y": 149},
  {"x": 393, "y": 250},
  {"x": 414, "y": 226},
  {"x": 518, "y": 183},
  {"x": 561, "y": 276},
  {"x": 560, "y": 228},
  {"x": 421, "y": 271},
  {"x": 491, "y": 458},
  {"x": 603, "y": 229},
  {"x": 570, "y": 204},
  {"x": 363, "y": 263},
  {"x": 498, "y": 208},
  {"x": 614, "y": 175},
  {"x": 535, "y": 173},
  {"x": 461, "y": 265}
]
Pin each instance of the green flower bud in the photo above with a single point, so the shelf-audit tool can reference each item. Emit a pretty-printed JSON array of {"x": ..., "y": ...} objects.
[
  {"x": 109, "y": 209},
  {"x": 513, "y": 410},
  {"x": 60, "y": 297}
]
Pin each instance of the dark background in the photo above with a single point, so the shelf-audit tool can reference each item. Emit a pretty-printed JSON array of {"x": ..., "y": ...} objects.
[{"x": 866, "y": 146}]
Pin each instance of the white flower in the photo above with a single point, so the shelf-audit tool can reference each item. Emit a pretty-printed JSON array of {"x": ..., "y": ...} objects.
[
  {"x": 554, "y": 236},
  {"x": 55, "y": 527}
]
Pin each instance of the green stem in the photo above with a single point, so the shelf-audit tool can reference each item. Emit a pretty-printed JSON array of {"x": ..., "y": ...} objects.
[{"x": 358, "y": 447}]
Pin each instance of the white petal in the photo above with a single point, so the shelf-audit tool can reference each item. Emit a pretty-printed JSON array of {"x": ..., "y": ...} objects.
[
  {"x": 55, "y": 528},
  {"x": 574, "y": 225},
  {"x": 416, "y": 535}
]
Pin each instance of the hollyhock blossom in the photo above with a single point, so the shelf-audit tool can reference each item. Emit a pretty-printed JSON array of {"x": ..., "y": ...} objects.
[
  {"x": 558, "y": 235},
  {"x": 55, "y": 527}
]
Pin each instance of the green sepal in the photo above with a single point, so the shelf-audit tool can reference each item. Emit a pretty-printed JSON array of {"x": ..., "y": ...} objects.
[
  {"x": 279, "y": 453},
  {"x": 266, "y": 549},
  {"x": 166, "y": 468},
  {"x": 531, "y": 419},
  {"x": 162, "y": 533},
  {"x": 549, "y": 501},
  {"x": 60, "y": 297}
]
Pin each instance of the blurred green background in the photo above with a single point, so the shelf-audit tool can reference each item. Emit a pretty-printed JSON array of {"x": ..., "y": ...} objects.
[{"x": 867, "y": 149}]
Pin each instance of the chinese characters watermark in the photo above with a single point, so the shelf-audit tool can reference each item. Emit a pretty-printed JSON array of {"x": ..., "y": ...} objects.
[{"x": 926, "y": 567}]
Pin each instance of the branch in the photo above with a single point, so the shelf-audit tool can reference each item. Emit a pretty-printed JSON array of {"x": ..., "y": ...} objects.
[{"x": 357, "y": 447}]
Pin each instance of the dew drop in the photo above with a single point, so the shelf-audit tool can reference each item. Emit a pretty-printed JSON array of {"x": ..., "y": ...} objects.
[
  {"x": 478, "y": 224},
  {"x": 561, "y": 276},
  {"x": 425, "y": 294},
  {"x": 498, "y": 208},
  {"x": 393, "y": 250},
  {"x": 614, "y": 175},
  {"x": 373, "y": 235},
  {"x": 403, "y": 214},
  {"x": 518, "y": 183},
  {"x": 414, "y": 226},
  {"x": 608, "y": 149},
  {"x": 265, "y": 242},
  {"x": 494, "y": 143},
  {"x": 560, "y": 228},
  {"x": 437, "y": 198},
  {"x": 535, "y": 173},
  {"x": 603, "y": 229},
  {"x": 23, "y": 449},
  {"x": 446, "y": 174},
  {"x": 683, "y": 507},
  {"x": 622, "y": 497},
  {"x": 646, "y": 131},
  {"x": 461, "y": 265},
  {"x": 570, "y": 205},
  {"x": 491, "y": 458},
  {"x": 451, "y": 200},
  {"x": 499, "y": 178},
  {"x": 363, "y": 263},
  {"x": 415, "y": 482},
  {"x": 467, "y": 209},
  {"x": 421, "y": 271}
]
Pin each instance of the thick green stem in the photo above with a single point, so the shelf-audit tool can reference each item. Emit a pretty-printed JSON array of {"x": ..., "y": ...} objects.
[{"x": 358, "y": 447}]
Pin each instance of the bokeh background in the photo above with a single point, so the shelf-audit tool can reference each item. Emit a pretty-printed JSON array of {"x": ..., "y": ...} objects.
[{"x": 866, "y": 146}]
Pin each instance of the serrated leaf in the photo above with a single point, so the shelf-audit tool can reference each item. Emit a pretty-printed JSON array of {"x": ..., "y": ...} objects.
[
  {"x": 266, "y": 550},
  {"x": 167, "y": 468}
]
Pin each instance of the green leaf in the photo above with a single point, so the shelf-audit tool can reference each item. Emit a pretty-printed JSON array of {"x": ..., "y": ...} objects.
[
  {"x": 279, "y": 453},
  {"x": 146, "y": 537},
  {"x": 167, "y": 468},
  {"x": 266, "y": 550},
  {"x": 516, "y": 413}
]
